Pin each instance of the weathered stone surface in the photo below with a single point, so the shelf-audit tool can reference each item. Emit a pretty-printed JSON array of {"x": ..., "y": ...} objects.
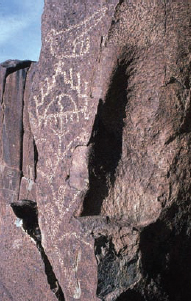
[
  {"x": 62, "y": 114},
  {"x": 29, "y": 155},
  {"x": 12, "y": 89},
  {"x": 110, "y": 113},
  {"x": 105, "y": 152},
  {"x": 22, "y": 264},
  {"x": 22, "y": 275}
]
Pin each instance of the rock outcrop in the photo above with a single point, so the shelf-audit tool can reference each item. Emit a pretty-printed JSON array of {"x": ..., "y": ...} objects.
[
  {"x": 95, "y": 150},
  {"x": 22, "y": 259}
]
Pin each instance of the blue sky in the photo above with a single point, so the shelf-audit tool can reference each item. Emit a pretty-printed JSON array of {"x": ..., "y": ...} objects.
[{"x": 20, "y": 29}]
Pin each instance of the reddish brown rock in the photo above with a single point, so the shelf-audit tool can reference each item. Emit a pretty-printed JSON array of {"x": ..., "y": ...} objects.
[
  {"x": 110, "y": 114},
  {"x": 29, "y": 155},
  {"x": 13, "y": 74},
  {"x": 105, "y": 152},
  {"x": 22, "y": 275},
  {"x": 61, "y": 117},
  {"x": 23, "y": 264}
]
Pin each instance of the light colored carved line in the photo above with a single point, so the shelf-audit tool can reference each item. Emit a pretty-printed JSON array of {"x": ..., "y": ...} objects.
[
  {"x": 79, "y": 39},
  {"x": 70, "y": 81},
  {"x": 62, "y": 114},
  {"x": 49, "y": 177},
  {"x": 78, "y": 87},
  {"x": 48, "y": 85},
  {"x": 84, "y": 22},
  {"x": 75, "y": 44}
]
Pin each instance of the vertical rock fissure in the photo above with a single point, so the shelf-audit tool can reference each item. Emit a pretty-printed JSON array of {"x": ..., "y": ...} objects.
[
  {"x": 26, "y": 210},
  {"x": 3, "y": 89},
  {"x": 22, "y": 122},
  {"x": 3, "y": 107},
  {"x": 106, "y": 139},
  {"x": 35, "y": 159},
  {"x": 165, "y": 17},
  {"x": 25, "y": 72}
]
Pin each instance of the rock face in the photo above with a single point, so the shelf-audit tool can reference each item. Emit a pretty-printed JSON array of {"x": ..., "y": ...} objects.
[
  {"x": 22, "y": 270},
  {"x": 103, "y": 150}
]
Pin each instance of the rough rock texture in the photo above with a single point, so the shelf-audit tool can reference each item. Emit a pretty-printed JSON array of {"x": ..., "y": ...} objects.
[
  {"x": 22, "y": 270},
  {"x": 109, "y": 164},
  {"x": 110, "y": 112}
]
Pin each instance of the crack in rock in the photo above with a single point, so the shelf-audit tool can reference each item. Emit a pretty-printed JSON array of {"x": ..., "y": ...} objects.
[{"x": 26, "y": 210}]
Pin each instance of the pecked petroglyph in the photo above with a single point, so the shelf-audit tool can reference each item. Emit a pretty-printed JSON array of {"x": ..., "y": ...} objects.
[
  {"x": 75, "y": 40},
  {"x": 80, "y": 88},
  {"x": 64, "y": 104},
  {"x": 62, "y": 111},
  {"x": 76, "y": 43}
]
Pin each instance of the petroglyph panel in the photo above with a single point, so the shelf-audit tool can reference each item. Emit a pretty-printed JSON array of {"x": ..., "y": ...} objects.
[
  {"x": 60, "y": 115},
  {"x": 75, "y": 40}
]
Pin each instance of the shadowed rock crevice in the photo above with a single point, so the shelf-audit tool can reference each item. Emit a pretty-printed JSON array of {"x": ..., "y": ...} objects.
[
  {"x": 165, "y": 247},
  {"x": 107, "y": 265},
  {"x": 15, "y": 77},
  {"x": 22, "y": 125},
  {"x": 35, "y": 159},
  {"x": 130, "y": 295},
  {"x": 106, "y": 139},
  {"x": 26, "y": 211},
  {"x": 115, "y": 272},
  {"x": 13, "y": 66}
]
